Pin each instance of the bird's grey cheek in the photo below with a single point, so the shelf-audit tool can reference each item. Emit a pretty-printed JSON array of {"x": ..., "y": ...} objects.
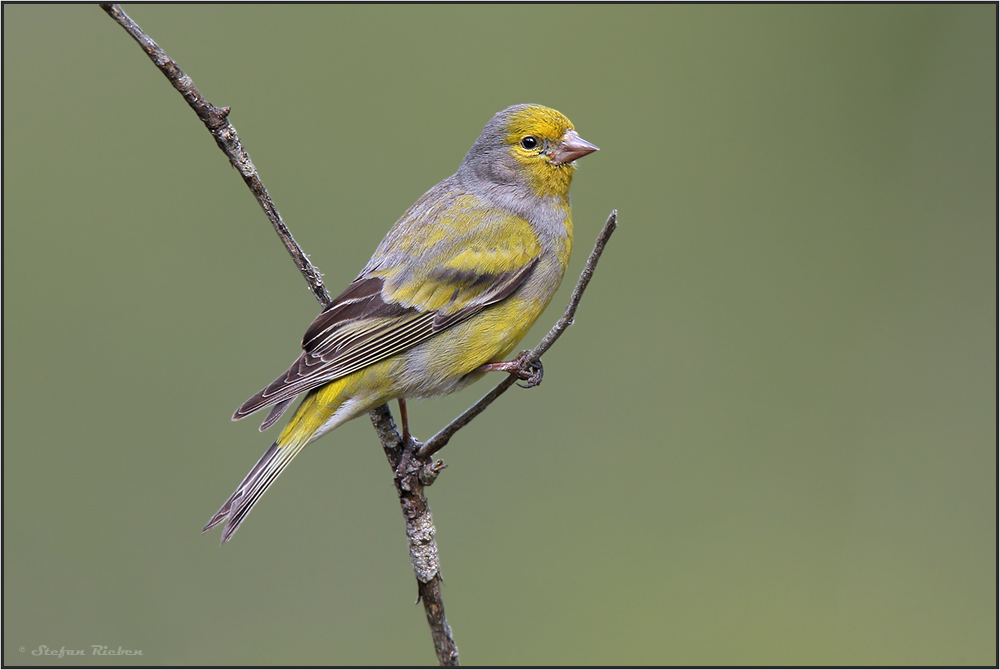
[{"x": 504, "y": 170}]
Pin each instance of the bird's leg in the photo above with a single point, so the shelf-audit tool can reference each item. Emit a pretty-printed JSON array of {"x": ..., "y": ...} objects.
[
  {"x": 526, "y": 370},
  {"x": 403, "y": 419},
  {"x": 411, "y": 469},
  {"x": 408, "y": 447}
]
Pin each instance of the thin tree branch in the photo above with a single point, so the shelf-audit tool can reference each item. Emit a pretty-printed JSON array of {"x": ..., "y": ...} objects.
[
  {"x": 528, "y": 359},
  {"x": 216, "y": 120},
  {"x": 413, "y": 468},
  {"x": 409, "y": 482},
  {"x": 410, "y": 476}
]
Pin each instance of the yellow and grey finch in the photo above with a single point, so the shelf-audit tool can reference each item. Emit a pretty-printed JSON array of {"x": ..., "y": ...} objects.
[{"x": 453, "y": 287}]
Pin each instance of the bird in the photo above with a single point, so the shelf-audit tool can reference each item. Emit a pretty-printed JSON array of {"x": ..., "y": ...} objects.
[{"x": 455, "y": 285}]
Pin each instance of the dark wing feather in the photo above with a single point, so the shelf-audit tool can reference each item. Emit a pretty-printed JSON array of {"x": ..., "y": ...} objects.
[
  {"x": 275, "y": 413},
  {"x": 359, "y": 329}
]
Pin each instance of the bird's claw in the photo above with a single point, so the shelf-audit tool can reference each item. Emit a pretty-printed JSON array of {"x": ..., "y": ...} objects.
[
  {"x": 526, "y": 370},
  {"x": 429, "y": 473},
  {"x": 522, "y": 367},
  {"x": 530, "y": 373}
]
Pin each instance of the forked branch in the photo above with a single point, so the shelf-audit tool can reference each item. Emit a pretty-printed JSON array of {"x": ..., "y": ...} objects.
[{"x": 412, "y": 465}]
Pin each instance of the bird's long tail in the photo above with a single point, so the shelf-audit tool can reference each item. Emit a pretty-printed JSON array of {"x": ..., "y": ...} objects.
[
  {"x": 260, "y": 477},
  {"x": 322, "y": 410}
]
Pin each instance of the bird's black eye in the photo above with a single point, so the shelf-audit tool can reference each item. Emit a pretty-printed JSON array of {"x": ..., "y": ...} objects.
[{"x": 529, "y": 142}]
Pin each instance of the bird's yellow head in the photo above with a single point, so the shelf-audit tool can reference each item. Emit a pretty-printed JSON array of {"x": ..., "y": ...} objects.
[{"x": 530, "y": 147}]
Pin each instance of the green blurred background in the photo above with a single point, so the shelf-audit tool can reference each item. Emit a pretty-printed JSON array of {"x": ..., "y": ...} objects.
[{"x": 770, "y": 438}]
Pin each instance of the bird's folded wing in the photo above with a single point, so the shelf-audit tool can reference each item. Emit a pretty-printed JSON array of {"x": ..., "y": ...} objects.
[{"x": 381, "y": 316}]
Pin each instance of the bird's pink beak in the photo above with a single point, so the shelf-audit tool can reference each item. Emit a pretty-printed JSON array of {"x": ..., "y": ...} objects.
[{"x": 571, "y": 147}]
